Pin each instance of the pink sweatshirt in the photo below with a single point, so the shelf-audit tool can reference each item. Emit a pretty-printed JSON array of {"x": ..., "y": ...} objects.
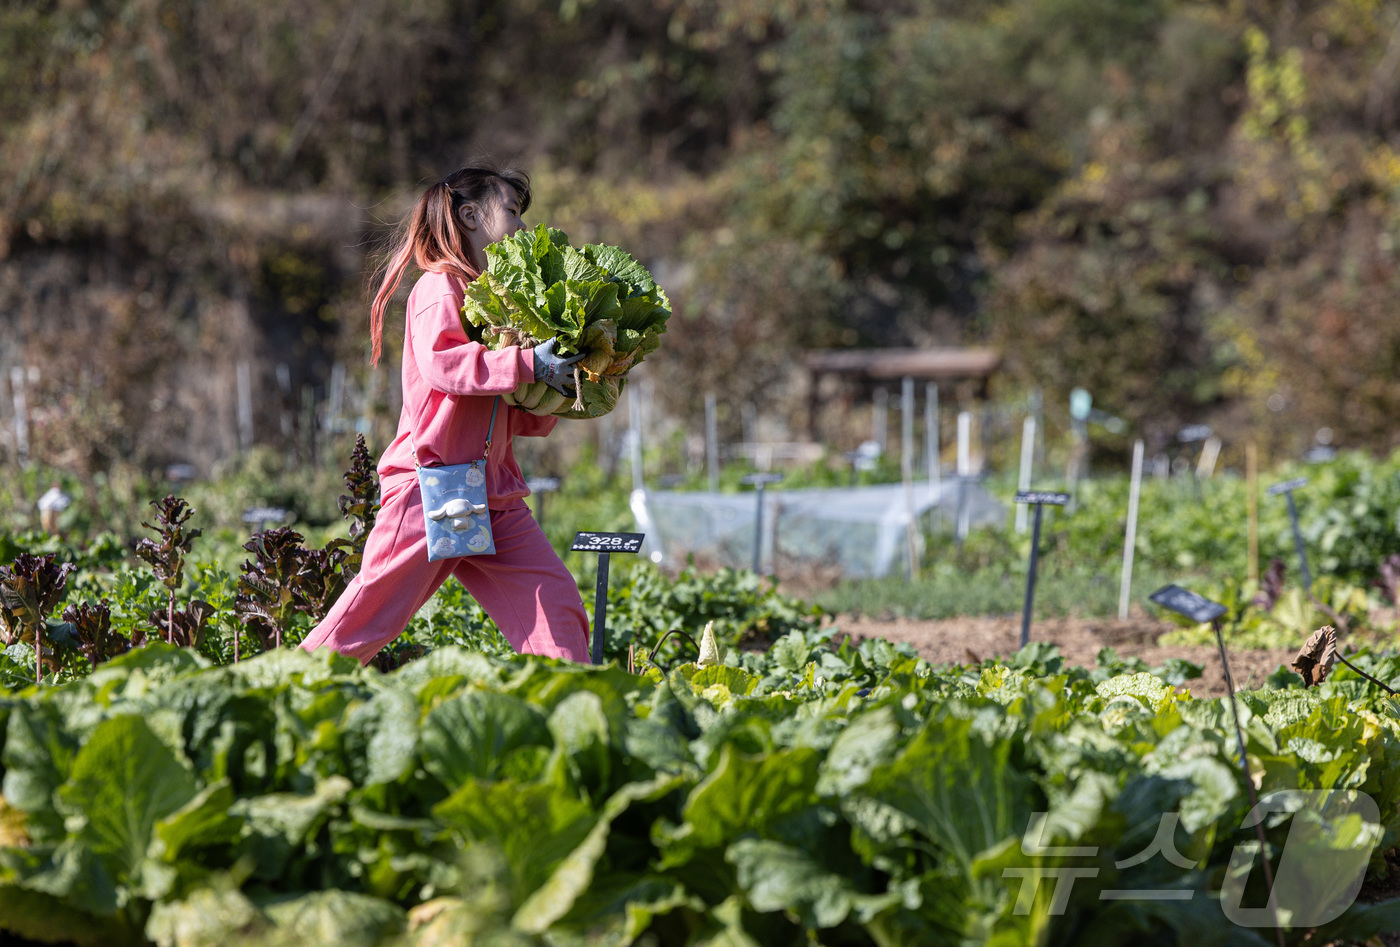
[{"x": 449, "y": 383}]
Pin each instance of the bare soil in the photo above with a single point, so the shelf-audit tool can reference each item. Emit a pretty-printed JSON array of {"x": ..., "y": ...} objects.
[{"x": 972, "y": 640}]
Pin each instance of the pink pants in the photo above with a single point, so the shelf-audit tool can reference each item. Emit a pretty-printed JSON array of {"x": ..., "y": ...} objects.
[{"x": 524, "y": 587}]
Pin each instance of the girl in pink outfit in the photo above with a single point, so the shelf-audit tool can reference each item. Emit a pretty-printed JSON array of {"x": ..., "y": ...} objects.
[{"x": 450, "y": 384}]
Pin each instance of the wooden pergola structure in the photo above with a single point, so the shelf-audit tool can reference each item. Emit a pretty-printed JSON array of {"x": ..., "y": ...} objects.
[{"x": 948, "y": 364}]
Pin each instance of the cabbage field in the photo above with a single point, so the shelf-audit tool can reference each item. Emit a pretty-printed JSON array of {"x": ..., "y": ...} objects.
[
  {"x": 812, "y": 794},
  {"x": 174, "y": 771}
]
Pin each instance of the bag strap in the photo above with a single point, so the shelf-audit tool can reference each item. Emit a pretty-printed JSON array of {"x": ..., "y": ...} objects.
[{"x": 489, "y": 431}]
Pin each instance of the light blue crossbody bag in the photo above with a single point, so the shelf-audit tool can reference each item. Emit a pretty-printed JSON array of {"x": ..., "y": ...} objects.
[{"x": 455, "y": 516}]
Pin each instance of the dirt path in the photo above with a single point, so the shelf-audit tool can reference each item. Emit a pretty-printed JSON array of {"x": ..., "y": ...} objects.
[{"x": 969, "y": 640}]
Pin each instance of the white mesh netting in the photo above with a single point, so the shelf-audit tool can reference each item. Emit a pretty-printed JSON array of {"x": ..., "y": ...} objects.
[{"x": 862, "y": 531}]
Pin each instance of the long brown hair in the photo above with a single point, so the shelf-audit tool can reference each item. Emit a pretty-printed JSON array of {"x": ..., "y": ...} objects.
[{"x": 432, "y": 237}]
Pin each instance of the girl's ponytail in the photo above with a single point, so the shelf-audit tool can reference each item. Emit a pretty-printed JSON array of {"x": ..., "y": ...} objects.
[
  {"x": 392, "y": 273},
  {"x": 431, "y": 237}
]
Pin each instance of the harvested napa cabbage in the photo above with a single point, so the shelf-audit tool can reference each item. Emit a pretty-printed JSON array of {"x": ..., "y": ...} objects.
[{"x": 596, "y": 300}]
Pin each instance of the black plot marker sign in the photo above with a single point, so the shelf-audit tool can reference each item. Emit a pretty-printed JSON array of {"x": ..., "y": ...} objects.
[
  {"x": 1286, "y": 488},
  {"x": 604, "y": 544},
  {"x": 1038, "y": 500},
  {"x": 1199, "y": 609},
  {"x": 1187, "y": 603}
]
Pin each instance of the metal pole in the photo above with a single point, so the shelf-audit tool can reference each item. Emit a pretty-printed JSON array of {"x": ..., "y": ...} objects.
[
  {"x": 758, "y": 529},
  {"x": 1030, "y": 578},
  {"x": 600, "y": 610},
  {"x": 1248, "y": 777},
  {"x": 1130, "y": 540},
  {"x": 1298, "y": 542}
]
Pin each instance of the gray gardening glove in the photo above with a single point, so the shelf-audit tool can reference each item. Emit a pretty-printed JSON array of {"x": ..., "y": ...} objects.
[{"x": 553, "y": 370}]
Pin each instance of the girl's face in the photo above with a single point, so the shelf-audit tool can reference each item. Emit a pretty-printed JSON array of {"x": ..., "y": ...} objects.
[{"x": 493, "y": 220}]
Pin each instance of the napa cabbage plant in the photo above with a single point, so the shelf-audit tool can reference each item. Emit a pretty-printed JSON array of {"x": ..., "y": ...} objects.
[{"x": 597, "y": 301}]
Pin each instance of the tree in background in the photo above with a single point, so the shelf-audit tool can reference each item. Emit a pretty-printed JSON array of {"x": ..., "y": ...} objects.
[{"x": 1187, "y": 207}]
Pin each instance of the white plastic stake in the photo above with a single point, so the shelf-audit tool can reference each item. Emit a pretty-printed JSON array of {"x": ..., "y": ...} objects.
[
  {"x": 1130, "y": 540},
  {"x": 1023, "y": 483},
  {"x": 879, "y": 419},
  {"x": 906, "y": 466},
  {"x": 308, "y": 422},
  {"x": 964, "y": 471},
  {"x": 245, "y": 406},
  {"x": 932, "y": 445},
  {"x": 284, "y": 385},
  {"x": 906, "y": 427},
  {"x": 964, "y": 443},
  {"x": 366, "y": 418},
  {"x": 21, "y": 415},
  {"x": 336, "y": 396},
  {"x": 1210, "y": 453},
  {"x": 644, "y": 406},
  {"x": 634, "y": 438}
]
